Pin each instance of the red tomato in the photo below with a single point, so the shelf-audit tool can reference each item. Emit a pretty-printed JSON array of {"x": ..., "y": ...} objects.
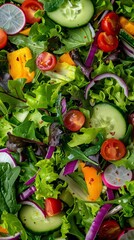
[
  {"x": 3, "y": 38},
  {"x": 53, "y": 206},
  {"x": 107, "y": 43},
  {"x": 74, "y": 120},
  {"x": 46, "y": 61},
  {"x": 113, "y": 149},
  {"x": 109, "y": 230},
  {"x": 29, "y": 8},
  {"x": 111, "y": 24}
]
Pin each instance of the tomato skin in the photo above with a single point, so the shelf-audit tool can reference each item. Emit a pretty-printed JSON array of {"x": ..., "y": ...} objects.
[
  {"x": 109, "y": 230},
  {"x": 46, "y": 61},
  {"x": 111, "y": 24},
  {"x": 29, "y": 8},
  {"x": 53, "y": 206},
  {"x": 113, "y": 149},
  {"x": 74, "y": 120},
  {"x": 107, "y": 42},
  {"x": 3, "y": 38}
]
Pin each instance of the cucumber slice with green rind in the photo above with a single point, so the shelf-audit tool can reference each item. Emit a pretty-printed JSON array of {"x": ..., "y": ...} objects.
[
  {"x": 126, "y": 37},
  {"x": 73, "y": 14},
  {"x": 36, "y": 222},
  {"x": 110, "y": 118}
]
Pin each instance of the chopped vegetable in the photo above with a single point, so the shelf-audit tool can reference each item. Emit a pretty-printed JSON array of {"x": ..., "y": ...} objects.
[
  {"x": 3, "y": 38},
  {"x": 67, "y": 58},
  {"x": 127, "y": 25},
  {"x": 93, "y": 181},
  {"x": 17, "y": 64},
  {"x": 74, "y": 120}
]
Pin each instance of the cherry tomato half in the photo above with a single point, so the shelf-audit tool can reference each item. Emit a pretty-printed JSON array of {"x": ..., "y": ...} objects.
[
  {"x": 111, "y": 24},
  {"x": 53, "y": 206},
  {"x": 109, "y": 230},
  {"x": 107, "y": 43},
  {"x": 74, "y": 120},
  {"x": 113, "y": 149},
  {"x": 3, "y": 38},
  {"x": 29, "y": 8},
  {"x": 46, "y": 61}
]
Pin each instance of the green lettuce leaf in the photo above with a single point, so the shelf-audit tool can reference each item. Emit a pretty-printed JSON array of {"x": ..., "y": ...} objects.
[
  {"x": 45, "y": 181},
  {"x": 85, "y": 136},
  {"x": 13, "y": 225}
]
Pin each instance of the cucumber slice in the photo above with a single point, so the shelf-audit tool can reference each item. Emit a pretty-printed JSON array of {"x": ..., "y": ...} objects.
[
  {"x": 110, "y": 118},
  {"x": 36, "y": 222},
  {"x": 73, "y": 14},
  {"x": 126, "y": 37}
]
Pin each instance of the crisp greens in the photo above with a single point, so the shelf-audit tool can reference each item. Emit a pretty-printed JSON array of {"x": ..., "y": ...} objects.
[{"x": 31, "y": 120}]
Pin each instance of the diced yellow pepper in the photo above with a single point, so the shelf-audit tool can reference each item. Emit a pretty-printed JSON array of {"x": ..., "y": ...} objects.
[
  {"x": 127, "y": 25},
  {"x": 17, "y": 61},
  {"x": 25, "y": 31}
]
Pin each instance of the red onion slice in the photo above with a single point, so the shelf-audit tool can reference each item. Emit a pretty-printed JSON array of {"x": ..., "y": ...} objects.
[
  {"x": 70, "y": 167},
  {"x": 107, "y": 75},
  {"x": 30, "y": 181},
  {"x": 27, "y": 193},
  {"x": 5, "y": 156},
  {"x": 15, "y": 237},
  {"x": 91, "y": 235},
  {"x": 50, "y": 151}
]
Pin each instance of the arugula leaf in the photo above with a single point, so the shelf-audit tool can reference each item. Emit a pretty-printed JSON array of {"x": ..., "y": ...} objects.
[{"x": 8, "y": 177}]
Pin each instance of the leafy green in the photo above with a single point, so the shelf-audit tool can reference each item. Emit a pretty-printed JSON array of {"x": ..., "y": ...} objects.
[
  {"x": 51, "y": 5},
  {"x": 8, "y": 178},
  {"x": 85, "y": 136},
  {"x": 126, "y": 8},
  {"x": 5, "y": 127},
  {"x": 46, "y": 179},
  {"x": 13, "y": 225}
]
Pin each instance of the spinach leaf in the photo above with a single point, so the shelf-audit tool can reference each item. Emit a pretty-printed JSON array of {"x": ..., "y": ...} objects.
[{"x": 8, "y": 177}]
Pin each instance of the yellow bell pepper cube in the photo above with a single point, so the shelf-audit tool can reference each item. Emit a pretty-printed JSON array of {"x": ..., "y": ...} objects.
[
  {"x": 17, "y": 61},
  {"x": 127, "y": 25},
  {"x": 25, "y": 31}
]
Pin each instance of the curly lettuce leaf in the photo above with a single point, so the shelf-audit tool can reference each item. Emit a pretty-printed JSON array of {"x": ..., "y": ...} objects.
[
  {"x": 5, "y": 127},
  {"x": 46, "y": 180}
]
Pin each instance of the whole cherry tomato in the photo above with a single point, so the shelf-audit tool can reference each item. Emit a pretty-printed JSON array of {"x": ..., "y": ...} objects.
[
  {"x": 109, "y": 230},
  {"x": 74, "y": 120},
  {"x": 53, "y": 206},
  {"x": 113, "y": 149},
  {"x": 107, "y": 42},
  {"x": 3, "y": 38},
  {"x": 111, "y": 24},
  {"x": 46, "y": 61},
  {"x": 29, "y": 8}
]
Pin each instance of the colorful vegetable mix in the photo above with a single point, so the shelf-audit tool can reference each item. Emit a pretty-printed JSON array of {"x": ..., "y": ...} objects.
[{"x": 66, "y": 119}]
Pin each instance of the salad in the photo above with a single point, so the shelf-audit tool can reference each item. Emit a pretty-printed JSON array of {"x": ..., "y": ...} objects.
[{"x": 66, "y": 119}]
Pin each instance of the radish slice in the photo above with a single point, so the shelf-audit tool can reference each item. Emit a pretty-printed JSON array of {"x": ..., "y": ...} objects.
[
  {"x": 6, "y": 157},
  {"x": 35, "y": 205},
  {"x": 12, "y": 18},
  {"x": 115, "y": 177},
  {"x": 127, "y": 234}
]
